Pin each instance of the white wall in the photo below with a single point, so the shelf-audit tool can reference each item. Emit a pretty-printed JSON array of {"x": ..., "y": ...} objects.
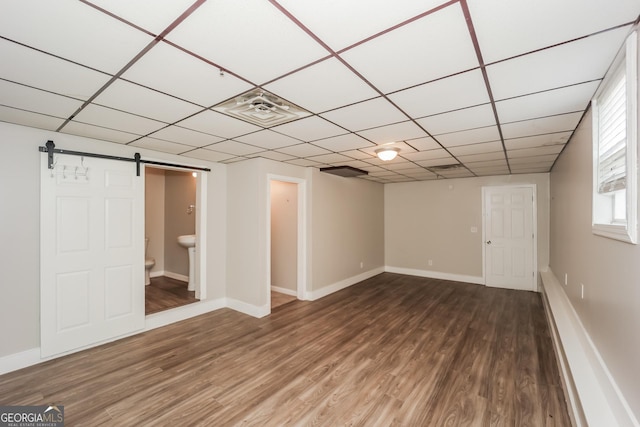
[
  {"x": 433, "y": 219},
  {"x": 284, "y": 234},
  {"x": 609, "y": 269},
  {"x": 347, "y": 229},
  {"x": 20, "y": 219}
]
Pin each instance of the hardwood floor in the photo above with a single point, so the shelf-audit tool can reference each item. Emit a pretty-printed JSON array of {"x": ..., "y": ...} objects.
[
  {"x": 164, "y": 293},
  {"x": 392, "y": 350},
  {"x": 278, "y": 299}
]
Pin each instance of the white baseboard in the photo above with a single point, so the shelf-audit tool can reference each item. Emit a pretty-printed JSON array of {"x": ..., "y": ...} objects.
[
  {"x": 594, "y": 396},
  {"x": 156, "y": 273},
  {"x": 335, "y": 287},
  {"x": 167, "y": 317},
  {"x": 24, "y": 359},
  {"x": 249, "y": 309},
  {"x": 478, "y": 280},
  {"x": 284, "y": 291},
  {"x": 176, "y": 276}
]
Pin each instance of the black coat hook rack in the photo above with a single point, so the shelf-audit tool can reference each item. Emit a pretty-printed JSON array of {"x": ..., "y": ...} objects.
[{"x": 50, "y": 149}]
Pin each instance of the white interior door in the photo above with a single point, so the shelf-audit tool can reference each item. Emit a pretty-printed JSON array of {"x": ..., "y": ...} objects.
[
  {"x": 509, "y": 237},
  {"x": 92, "y": 252}
]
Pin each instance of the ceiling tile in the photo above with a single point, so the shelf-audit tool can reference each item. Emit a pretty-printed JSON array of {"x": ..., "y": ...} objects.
[
  {"x": 466, "y": 118},
  {"x": 423, "y": 144},
  {"x": 309, "y": 129},
  {"x": 235, "y": 148},
  {"x": 346, "y": 142},
  {"x": 331, "y": 158},
  {"x": 114, "y": 119},
  {"x": 268, "y": 139},
  {"x": 136, "y": 99},
  {"x": 218, "y": 124},
  {"x": 444, "y": 48},
  {"x": 403, "y": 166},
  {"x": 519, "y": 161},
  {"x": 487, "y": 147},
  {"x": 427, "y": 155},
  {"x": 437, "y": 162},
  {"x": 303, "y": 150},
  {"x": 559, "y": 101},
  {"x": 339, "y": 23},
  {"x": 558, "y": 123},
  {"x": 185, "y": 136},
  {"x": 393, "y": 133},
  {"x": 27, "y": 118},
  {"x": 471, "y": 158},
  {"x": 460, "y": 91},
  {"x": 273, "y": 155},
  {"x": 272, "y": 44},
  {"x": 537, "y": 151},
  {"x": 520, "y": 28},
  {"x": 160, "y": 145},
  {"x": 194, "y": 80},
  {"x": 359, "y": 164},
  {"x": 559, "y": 138},
  {"x": 368, "y": 114},
  {"x": 580, "y": 61},
  {"x": 152, "y": 15},
  {"x": 42, "y": 71},
  {"x": 356, "y": 154},
  {"x": 68, "y": 28},
  {"x": 98, "y": 132},
  {"x": 472, "y": 136},
  {"x": 305, "y": 163},
  {"x": 37, "y": 101},
  {"x": 212, "y": 156},
  {"x": 488, "y": 164},
  {"x": 334, "y": 85}
]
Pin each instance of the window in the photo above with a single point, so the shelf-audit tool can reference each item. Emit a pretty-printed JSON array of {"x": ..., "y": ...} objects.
[{"x": 614, "y": 148}]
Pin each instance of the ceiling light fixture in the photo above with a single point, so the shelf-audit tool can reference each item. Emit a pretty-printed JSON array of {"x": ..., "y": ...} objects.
[{"x": 388, "y": 153}]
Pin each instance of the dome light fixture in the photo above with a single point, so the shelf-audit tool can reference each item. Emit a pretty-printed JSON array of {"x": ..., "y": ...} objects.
[{"x": 387, "y": 153}]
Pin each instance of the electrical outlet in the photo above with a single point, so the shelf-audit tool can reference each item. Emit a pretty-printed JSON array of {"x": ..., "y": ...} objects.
[
  {"x": 430, "y": 262},
  {"x": 581, "y": 291},
  {"x": 566, "y": 279},
  {"x": 361, "y": 264}
]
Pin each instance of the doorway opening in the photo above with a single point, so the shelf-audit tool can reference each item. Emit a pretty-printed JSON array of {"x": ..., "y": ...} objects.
[
  {"x": 286, "y": 240},
  {"x": 171, "y": 211}
]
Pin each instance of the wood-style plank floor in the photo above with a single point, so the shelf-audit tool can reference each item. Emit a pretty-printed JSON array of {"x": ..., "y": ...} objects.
[
  {"x": 164, "y": 293},
  {"x": 393, "y": 350},
  {"x": 278, "y": 299}
]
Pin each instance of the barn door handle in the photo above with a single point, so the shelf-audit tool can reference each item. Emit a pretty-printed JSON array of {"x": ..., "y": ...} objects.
[{"x": 488, "y": 242}]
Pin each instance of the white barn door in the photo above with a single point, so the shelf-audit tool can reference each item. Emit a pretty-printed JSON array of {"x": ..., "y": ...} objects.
[
  {"x": 509, "y": 237},
  {"x": 92, "y": 252}
]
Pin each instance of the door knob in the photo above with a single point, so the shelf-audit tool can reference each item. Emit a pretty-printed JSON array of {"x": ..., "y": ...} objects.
[{"x": 488, "y": 242}]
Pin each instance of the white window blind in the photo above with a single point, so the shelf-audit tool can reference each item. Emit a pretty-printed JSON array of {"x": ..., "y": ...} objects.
[{"x": 612, "y": 134}]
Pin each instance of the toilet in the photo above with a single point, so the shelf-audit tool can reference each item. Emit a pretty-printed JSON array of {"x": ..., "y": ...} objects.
[{"x": 148, "y": 263}]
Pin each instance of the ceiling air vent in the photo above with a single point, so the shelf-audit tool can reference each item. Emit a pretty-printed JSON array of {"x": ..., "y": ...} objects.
[
  {"x": 344, "y": 171},
  {"x": 450, "y": 167},
  {"x": 261, "y": 108}
]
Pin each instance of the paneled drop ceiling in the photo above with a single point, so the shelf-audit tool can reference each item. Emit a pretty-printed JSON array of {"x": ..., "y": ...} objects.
[{"x": 496, "y": 87}]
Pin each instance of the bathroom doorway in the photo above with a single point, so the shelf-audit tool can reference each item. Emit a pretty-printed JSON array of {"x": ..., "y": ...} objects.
[
  {"x": 286, "y": 240},
  {"x": 170, "y": 211}
]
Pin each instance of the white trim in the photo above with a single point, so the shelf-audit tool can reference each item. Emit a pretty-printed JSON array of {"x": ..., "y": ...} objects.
[
  {"x": 184, "y": 312},
  {"x": 156, "y": 273},
  {"x": 342, "y": 284},
  {"x": 248, "y": 309},
  {"x": 301, "y": 279},
  {"x": 284, "y": 291},
  {"x": 24, "y": 359},
  {"x": 478, "y": 280},
  {"x": 176, "y": 276},
  {"x": 594, "y": 396}
]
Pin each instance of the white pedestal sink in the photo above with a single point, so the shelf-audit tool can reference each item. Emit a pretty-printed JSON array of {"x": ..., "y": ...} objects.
[{"x": 189, "y": 241}]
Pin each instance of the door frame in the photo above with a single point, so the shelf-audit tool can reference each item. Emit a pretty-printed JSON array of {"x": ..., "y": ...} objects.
[
  {"x": 301, "y": 261},
  {"x": 534, "y": 226},
  {"x": 201, "y": 226}
]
